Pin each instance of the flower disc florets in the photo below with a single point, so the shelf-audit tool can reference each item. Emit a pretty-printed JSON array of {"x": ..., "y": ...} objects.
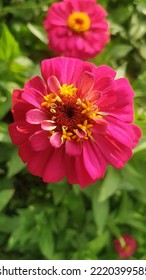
[{"x": 69, "y": 115}]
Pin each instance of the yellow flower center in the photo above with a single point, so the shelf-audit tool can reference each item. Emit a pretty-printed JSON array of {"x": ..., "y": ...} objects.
[
  {"x": 79, "y": 22},
  {"x": 72, "y": 116}
]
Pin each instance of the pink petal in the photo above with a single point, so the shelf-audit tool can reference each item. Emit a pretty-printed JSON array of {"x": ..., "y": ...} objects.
[
  {"x": 17, "y": 96},
  {"x": 20, "y": 131},
  {"x": 36, "y": 116},
  {"x": 55, "y": 169},
  {"x": 81, "y": 133},
  {"x": 100, "y": 126},
  {"x": 38, "y": 162},
  {"x": 123, "y": 107},
  {"x": 39, "y": 140},
  {"x": 56, "y": 140},
  {"x": 102, "y": 72},
  {"x": 48, "y": 125},
  {"x": 84, "y": 178},
  {"x": 116, "y": 153},
  {"x": 53, "y": 84},
  {"x": 36, "y": 83},
  {"x": 125, "y": 133},
  {"x": 25, "y": 151},
  {"x": 33, "y": 97},
  {"x": 71, "y": 173},
  {"x": 62, "y": 68},
  {"x": 137, "y": 134},
  {"x": 94, "y": 161},
  {"x": 86, "y": 83},
  {"x": 20, "y": 109},
  {"x": 73, "y": 148}
]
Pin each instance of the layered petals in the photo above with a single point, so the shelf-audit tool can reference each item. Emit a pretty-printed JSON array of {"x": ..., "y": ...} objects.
[
  {"x": 74, "y": 122},
  {"x": 77, "y": 29}
]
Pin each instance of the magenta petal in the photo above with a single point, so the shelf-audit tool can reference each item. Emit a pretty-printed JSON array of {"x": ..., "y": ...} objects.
[
  {"x": 137, "y": 134},
  {"x": 25, "y": 151},
  {"x": 55, "y": 169},
  {"x": 94, "y": 161},
  {"x": 20, "y": 131},
  {"x": 84, "y": 178},
  {"x": 39, "y": 140},
  {"x": 36, "y": 116},
  {"x": 73, "y": 148},
  {"x": 48, "y": 125},
  {"x": 64, "y": 69},
  {"x": 81, "y": 133},
  {"x": 86, "y": 83},
  {"x": 103, "y": 71},
  {"x": 36, "y": 83},
  {"x": 38, "y": 161},
  {"x": 33, "y": 97},
  {"x": 116, "y": 153},
  {"x": 56, "y": 140},
  {"x": 126, "y": 133},
  {"x": 53, "y": 84},
  {"x": 71, "y": 172}
]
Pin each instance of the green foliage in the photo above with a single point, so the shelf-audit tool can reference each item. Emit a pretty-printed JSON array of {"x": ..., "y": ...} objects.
[{"x": 59, "y": 221}]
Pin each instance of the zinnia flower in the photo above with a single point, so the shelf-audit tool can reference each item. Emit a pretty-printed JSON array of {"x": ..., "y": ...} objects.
[
  {"x": 125, "y": 246},
  {"x": 77, "y": 28},
  {"x": 74, "y": 122}
]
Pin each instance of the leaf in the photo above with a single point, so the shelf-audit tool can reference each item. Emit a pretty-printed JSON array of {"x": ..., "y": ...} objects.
[
  {"x": 141, "y": 146},
  {"x": 100, "y": 212},
  {"x": 140, "y": 84},
  {"x": 38, "y": 31},
  {"x": 46, "y": 243},
  {"x": 97, "y": 244},
  {"x": 5, "y": 196},
  {"x": 15, "y": 165},
  {"x": 110, "y": 184},
  {"x": 4, "y": 135},
  {"x": 9, "y": 47},
  {"x": 8, "y": 224},
  {"x": 58, "y": 189}
]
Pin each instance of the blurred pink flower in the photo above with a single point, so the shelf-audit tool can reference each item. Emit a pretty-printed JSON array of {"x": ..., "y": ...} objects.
[
  {"x": 125, "y": 246},
  {"x": 77, "y": 28},
  {"x": 74, "y": 122}
]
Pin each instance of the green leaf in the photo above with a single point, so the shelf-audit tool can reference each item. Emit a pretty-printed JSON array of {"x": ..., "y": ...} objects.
[
  {"x": 100, "y": 211},
  {"x": 4, "y": 135},
  {"x": 9, "y": 47},
  {"x": 58, "y": 190},
  {"x": 15, "y": 165},
  {"x": 5, "y": 196},
  {"x": 110, "y": 184},
  {"x": 141, "y": 146},
  {"x": 97, "y": 244},
  {"x": 38, "y": 31},
  {"x": 46, "y": 243},
  {"x": 8, "y": 224},
  {"x": 140, "y": 84}
]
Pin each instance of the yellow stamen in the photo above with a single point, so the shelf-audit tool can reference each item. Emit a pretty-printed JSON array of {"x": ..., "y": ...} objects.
[
  {"x": 50, "y": 99},
  {"x": 66, "y": 135},
  {"x": 68, "y": 90},
  {"x": 86, "y": 127},
  {"x": 79, "y": 22}
]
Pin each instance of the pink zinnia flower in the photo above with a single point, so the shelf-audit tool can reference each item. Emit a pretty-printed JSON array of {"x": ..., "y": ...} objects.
[
  {"x": 77, "y": 28},
  {"x": 74, "y": 122},
  {"x": 125, "y": 246}
]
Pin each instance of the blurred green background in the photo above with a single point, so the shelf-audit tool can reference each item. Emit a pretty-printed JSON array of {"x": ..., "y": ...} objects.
[{"x": 60, "y": 221}]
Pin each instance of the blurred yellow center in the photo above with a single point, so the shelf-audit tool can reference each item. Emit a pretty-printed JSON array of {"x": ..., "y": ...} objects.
[{"x": 78, "y": 22}]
